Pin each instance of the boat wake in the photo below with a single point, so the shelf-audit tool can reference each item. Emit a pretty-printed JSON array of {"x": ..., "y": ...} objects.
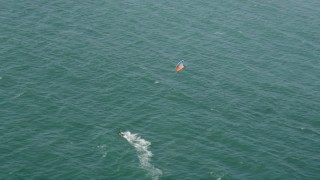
[{"x": 144, "y": 154}]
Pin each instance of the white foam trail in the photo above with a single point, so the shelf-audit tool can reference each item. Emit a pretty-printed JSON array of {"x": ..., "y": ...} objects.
[{"x": 144, "y": 154}]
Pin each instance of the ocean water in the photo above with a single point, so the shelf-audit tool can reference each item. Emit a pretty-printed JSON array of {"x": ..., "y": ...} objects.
[{"x": 75, "y": 73}]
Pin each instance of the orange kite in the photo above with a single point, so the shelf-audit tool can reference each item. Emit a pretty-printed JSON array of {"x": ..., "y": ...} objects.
[{"x": 180, "y": 66}]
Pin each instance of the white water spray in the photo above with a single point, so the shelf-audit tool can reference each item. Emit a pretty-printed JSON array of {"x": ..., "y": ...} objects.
[{"x": 144, "y": 154}]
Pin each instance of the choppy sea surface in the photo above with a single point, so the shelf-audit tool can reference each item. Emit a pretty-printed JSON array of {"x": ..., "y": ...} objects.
[{"x": 75, "y": 73}]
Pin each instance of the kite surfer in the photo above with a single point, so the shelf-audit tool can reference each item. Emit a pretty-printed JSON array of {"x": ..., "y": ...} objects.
[{"x": 121, "y": 133}]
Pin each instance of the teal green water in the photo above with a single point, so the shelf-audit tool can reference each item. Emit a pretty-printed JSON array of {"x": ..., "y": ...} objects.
[{"x": 74, "y": 73}]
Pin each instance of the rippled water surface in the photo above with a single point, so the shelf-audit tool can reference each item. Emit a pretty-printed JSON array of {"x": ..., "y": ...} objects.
[{"x": 75, "y": 73}]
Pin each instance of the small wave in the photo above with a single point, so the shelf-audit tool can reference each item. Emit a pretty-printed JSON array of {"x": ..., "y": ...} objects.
[
  {"x": 18, "y": 95},
  {"x": 144, "y": 154}
]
